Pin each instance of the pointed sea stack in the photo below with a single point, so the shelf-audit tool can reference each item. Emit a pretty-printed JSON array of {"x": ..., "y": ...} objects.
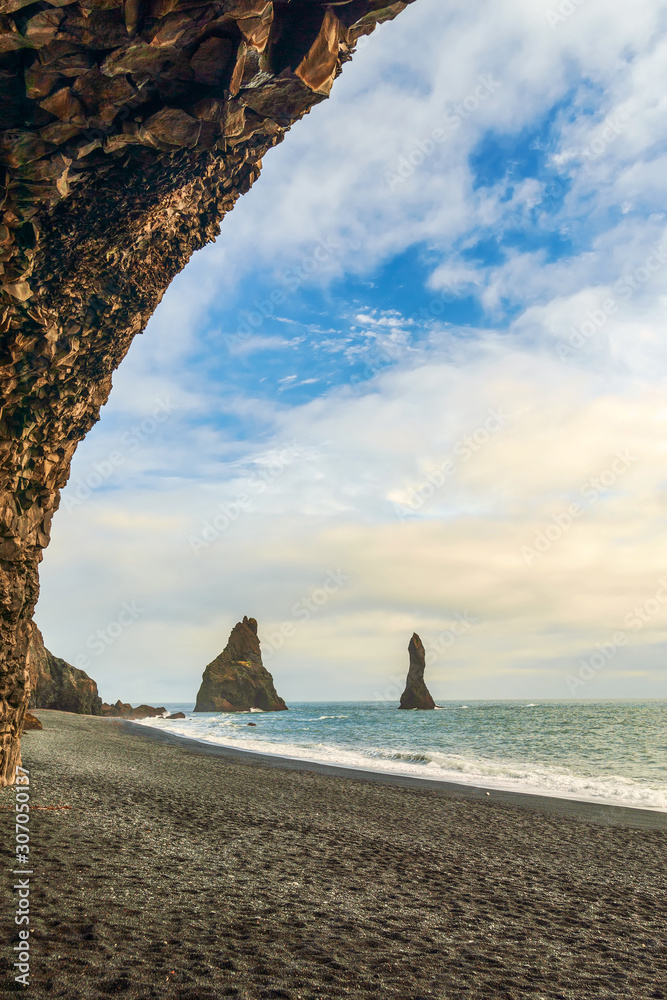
[
  {"x": 237, "y": 680},
  {"x": 416, "y": 694}
]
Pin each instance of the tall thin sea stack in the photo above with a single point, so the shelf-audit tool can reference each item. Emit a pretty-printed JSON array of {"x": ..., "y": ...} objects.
[
  {"x": 416, "y": 694},
  {"x": 237, "y": 680}
]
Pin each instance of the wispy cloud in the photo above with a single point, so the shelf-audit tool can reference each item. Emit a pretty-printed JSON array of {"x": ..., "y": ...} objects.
[{"x": 518, "y": 269}]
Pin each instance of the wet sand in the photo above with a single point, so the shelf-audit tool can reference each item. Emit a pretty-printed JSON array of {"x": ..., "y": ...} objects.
[{"x": 188, "y": 871}]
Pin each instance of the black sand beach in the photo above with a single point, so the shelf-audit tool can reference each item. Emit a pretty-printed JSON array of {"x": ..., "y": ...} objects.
[{"x": 193, "y": 872}]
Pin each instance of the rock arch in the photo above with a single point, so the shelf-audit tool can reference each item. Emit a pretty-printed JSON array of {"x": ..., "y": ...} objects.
[{"x": 128, "y": 129}]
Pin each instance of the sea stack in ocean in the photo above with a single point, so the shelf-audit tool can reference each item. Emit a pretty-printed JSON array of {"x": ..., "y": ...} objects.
[
  {"x": 237, "y": 680},
  {"x": 416, "y": 694}
]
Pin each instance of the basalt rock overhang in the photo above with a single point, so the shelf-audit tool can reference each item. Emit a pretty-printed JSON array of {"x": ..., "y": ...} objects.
[
  {"x": 127, "y": 131},
  {"x": 88, "y": 90}
]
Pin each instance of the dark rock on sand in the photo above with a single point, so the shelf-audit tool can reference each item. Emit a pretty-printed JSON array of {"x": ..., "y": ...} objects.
[
  {"x": 116, "y": 711},
  {"x": 177, "y": 715},
  {"x": 416, "y": 694},
  {"x": 31, "y": 722},
  {"x": 123, "y": 710},
  {"x": 237, "y": 680},
  {"x": 147, "y": 712},
  {"x": 58, "y": 685}
]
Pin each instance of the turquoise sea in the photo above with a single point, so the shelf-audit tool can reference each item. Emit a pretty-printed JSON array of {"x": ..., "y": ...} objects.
[{"x": 604, "y": 751}]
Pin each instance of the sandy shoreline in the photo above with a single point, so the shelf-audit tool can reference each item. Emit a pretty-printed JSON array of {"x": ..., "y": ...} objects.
[
  {"x": 191, "y": 871},
  {"x": 607, "y": 814}
]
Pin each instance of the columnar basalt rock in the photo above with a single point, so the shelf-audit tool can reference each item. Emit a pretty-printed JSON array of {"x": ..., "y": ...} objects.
[
  {"x": 416, "y": 694},
  {"x": 237, "y": 680},
  {"x": 128, "y": 129}
]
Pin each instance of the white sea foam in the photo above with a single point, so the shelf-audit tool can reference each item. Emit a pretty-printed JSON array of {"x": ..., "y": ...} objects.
[
  {"x": 559, "y": 782},
  {"x": 320, "y": 718}
]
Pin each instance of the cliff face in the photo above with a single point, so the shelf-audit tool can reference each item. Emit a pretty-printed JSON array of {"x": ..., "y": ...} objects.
[
  {"x": 128, "y": 129},
  {"x": 54, "y": 683},
  {"x": 416, "y": 694},
  {"x": 236, "y": 680}
]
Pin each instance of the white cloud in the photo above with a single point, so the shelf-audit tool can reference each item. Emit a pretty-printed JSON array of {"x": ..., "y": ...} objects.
[
  {"x": 363, "y": 456},
  {"x": 526, "y": 438}
]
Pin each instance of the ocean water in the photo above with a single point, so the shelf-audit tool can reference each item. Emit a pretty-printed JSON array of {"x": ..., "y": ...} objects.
[{"x": 606, "y": 751}]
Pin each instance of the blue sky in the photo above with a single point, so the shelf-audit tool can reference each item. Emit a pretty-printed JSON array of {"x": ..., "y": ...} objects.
[{"x": 416, "y": 384}]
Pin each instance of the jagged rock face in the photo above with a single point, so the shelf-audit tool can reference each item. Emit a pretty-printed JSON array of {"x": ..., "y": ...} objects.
[
  {"x": 237, "y": 680},
  {"x": 128, "y": 129},
  {"x": 123, "y": 710},
  {"x": 416, "y": 694},
  {"x": 31, "y": 721},
  {"x": 56, "y": 684}
]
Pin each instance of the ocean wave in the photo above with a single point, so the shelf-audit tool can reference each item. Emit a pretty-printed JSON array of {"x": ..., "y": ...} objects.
[
  {"x": 320, "y": 718},
  {"x": 507, "y": 775},
  {"x": 413, "y": 757}
]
